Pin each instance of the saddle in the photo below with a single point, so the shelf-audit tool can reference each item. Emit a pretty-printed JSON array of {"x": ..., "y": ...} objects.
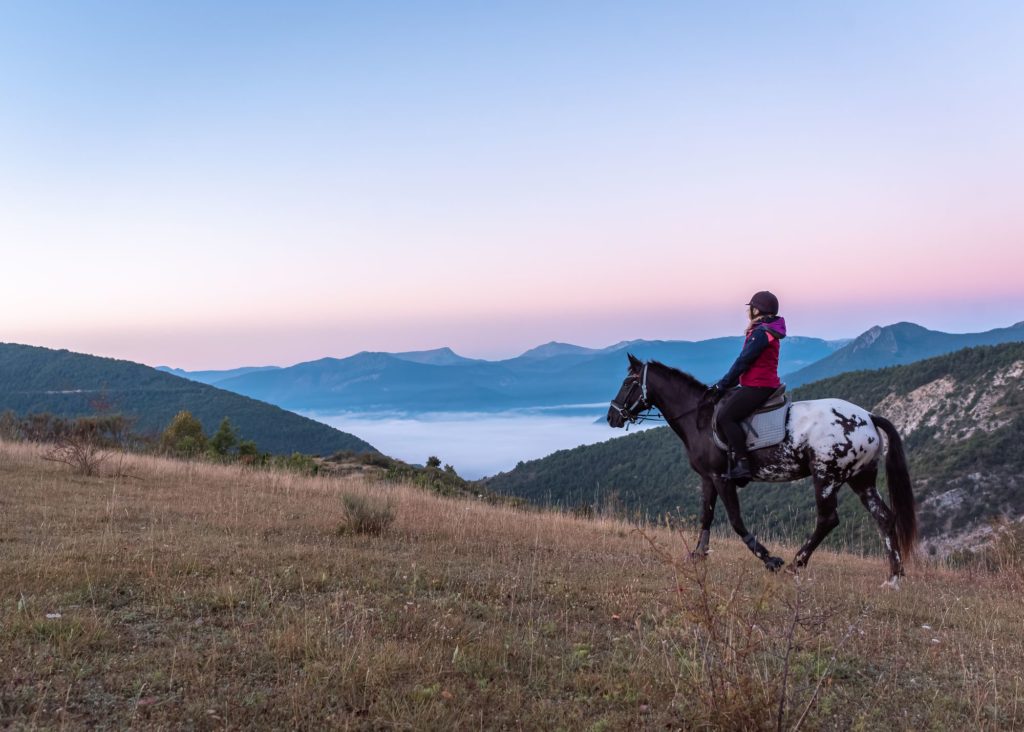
[{"x": 765, "y": 427}]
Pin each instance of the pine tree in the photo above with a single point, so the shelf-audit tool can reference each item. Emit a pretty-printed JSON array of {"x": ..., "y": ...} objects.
[{"x": 224, "y": 440}]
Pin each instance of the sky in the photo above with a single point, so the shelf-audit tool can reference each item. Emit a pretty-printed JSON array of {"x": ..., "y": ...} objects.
[{"x": 209, "y": 185}]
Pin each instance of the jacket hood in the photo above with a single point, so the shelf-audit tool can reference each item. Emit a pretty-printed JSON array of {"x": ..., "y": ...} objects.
[{"x": 776, "y": 324}]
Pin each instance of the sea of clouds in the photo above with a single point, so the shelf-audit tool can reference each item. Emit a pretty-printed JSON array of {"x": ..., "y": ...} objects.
[{"x": 478, "y": 444}]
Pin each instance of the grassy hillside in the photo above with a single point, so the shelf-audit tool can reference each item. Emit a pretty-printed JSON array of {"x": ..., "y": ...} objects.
[
  {"x": 206, "y": 597},
  {"x": 964, "y": 436},
  {"x": 36, "y": 380}
]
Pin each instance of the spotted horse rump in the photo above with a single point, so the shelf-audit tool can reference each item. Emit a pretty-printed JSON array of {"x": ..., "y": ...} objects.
[{"x": 828, "y": 439}]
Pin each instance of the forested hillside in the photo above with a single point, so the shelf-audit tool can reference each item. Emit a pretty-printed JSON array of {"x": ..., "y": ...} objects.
[
  {"x": 962, "y": 417},
  {"x": 37, "y": 380}
]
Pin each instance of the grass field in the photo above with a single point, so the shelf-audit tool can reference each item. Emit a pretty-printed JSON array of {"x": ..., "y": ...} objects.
[{"x": 186, "y": 595}]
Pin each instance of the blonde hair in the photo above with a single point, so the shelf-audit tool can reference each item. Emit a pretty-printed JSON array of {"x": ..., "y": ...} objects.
[{"x": 754, "y": 320}]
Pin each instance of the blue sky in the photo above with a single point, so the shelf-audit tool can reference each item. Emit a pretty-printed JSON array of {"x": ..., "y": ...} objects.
[{"x": 268, "y": 182}]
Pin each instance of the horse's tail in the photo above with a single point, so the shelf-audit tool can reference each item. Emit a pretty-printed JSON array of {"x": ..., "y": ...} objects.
[{"x": 901, "y": 495}]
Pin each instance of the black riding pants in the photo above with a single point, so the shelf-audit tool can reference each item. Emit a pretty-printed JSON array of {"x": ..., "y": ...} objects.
[{"x": 737, "y": 405}]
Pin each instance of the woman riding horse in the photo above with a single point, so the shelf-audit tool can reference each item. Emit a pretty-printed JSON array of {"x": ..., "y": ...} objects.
[
  {"x": 831, "y": 440},
  {"x": 756, "y": 370}
]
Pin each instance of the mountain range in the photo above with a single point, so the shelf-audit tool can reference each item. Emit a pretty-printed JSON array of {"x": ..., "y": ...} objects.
[
  {"x": 213, "y": 377},
  {"x": 550, "y": 375},
  {"x": 434, "y": 357},
  {"x": 35, "y": 380},
  {"x": 556, "y": 374},
  {"x": 901, "y": 343}
]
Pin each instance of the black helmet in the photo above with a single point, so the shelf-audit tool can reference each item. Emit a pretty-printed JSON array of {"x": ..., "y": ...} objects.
[{"x": 766, "y": 302}]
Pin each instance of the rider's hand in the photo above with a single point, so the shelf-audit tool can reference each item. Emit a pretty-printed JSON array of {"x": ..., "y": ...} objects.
[{"x": 714, "y": 392}]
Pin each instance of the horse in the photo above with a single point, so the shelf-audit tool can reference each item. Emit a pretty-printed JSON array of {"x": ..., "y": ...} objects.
[{"x": 829, "y": 440}]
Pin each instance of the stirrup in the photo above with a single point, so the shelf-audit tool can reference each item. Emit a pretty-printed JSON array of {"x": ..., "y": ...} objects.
[{"x": 739, "y": 471}]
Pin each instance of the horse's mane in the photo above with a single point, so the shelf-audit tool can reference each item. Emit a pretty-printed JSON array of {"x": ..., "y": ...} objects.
[{"x": 675, "y": 373}]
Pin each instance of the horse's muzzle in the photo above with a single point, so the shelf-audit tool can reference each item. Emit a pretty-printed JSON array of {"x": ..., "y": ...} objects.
[{"x": 615, "y": 417}]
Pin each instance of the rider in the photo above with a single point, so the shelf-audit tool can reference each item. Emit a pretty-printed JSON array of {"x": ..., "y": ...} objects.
[{"x": 757, "y": 372}]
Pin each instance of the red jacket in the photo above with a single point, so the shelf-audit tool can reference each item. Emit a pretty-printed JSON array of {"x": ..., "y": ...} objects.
[
  {"x": 758, "y": 363},
  {"x": 765, "y": 369}
]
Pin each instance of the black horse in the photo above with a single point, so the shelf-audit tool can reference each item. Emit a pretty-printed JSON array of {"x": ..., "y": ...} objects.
[{"x": 830, "y": 440}]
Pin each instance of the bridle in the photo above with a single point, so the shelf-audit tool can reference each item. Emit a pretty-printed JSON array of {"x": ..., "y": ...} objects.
[
  {"x": 632, "y": 413},
  {"x": 639, "y": 411}
]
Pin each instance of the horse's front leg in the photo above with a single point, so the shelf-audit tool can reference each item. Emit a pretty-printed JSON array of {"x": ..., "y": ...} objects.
[
  {"x": 707, "y": 517},
  {"x": 727, "y": 489}
]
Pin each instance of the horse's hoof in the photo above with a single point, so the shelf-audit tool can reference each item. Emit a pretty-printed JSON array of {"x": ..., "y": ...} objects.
[
  {"x": 793, "y": 569},
  {"x": 773, "y": 564},
  {"x": 696, "y": 555},
  {"x": 893, "y": 583}
]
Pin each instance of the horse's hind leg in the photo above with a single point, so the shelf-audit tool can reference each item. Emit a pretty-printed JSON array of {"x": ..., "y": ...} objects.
[
  {"x": 828, "y": 519},
  {"x": 707, "y": 517},
  {"x": 863, "y": 484},
  {"x": 727, "y": 490}
]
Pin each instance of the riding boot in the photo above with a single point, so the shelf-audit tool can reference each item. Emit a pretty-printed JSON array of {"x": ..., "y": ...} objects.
[{"x": 739, "y": 470}]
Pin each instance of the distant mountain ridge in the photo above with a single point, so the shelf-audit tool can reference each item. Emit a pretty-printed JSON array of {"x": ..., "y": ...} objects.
[
  {"x": 213, "y": 376},
  {"x": 553, "y": 374},
  {"x": 557, "y": 373},
  {"x": 37, "y": 380},
  {"x": 436, "y": 357},
  {"x": 900, "y": 343},
  {"x": 555, "y": 348}
]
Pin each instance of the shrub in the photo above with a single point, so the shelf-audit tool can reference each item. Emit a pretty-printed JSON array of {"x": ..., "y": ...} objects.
[
  {"x": 224, "y": 440},
  {"x": 445, "y": 483},
  {"x": 297, "y": 463},
  {"x": 80, "y": 447},
  {"x": 364, "y": 515},
  {"x": 247, "y": 449},
  {"x": 184, "y": 436},
  {"x": 10, "y": 426},
  {"x": 375, "y": 459}
]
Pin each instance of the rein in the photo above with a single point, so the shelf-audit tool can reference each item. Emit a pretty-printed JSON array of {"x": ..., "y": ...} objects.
[{"x": 658, "y": 417}]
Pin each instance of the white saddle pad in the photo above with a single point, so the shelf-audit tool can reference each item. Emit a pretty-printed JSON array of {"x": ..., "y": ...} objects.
[{"x": 763, "y": 429}]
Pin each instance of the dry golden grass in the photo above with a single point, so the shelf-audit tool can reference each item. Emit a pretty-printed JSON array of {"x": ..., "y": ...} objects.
[{"x": 200, "y": 596}]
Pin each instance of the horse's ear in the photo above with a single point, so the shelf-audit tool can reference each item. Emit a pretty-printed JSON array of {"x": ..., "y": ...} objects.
[{"x": 634, "y": 362}]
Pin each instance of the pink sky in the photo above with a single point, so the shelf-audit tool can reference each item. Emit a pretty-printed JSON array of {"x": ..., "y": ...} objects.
[
  {"x": 209, "y": 187},
  {"x": 503, "y": 335}
]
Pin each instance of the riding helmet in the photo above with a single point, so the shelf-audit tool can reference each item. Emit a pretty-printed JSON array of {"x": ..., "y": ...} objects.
[{"x": 766, "y": 302}]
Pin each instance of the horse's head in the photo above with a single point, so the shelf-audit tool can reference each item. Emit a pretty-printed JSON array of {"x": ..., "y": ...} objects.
[{"x": 632, "y": 397}]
